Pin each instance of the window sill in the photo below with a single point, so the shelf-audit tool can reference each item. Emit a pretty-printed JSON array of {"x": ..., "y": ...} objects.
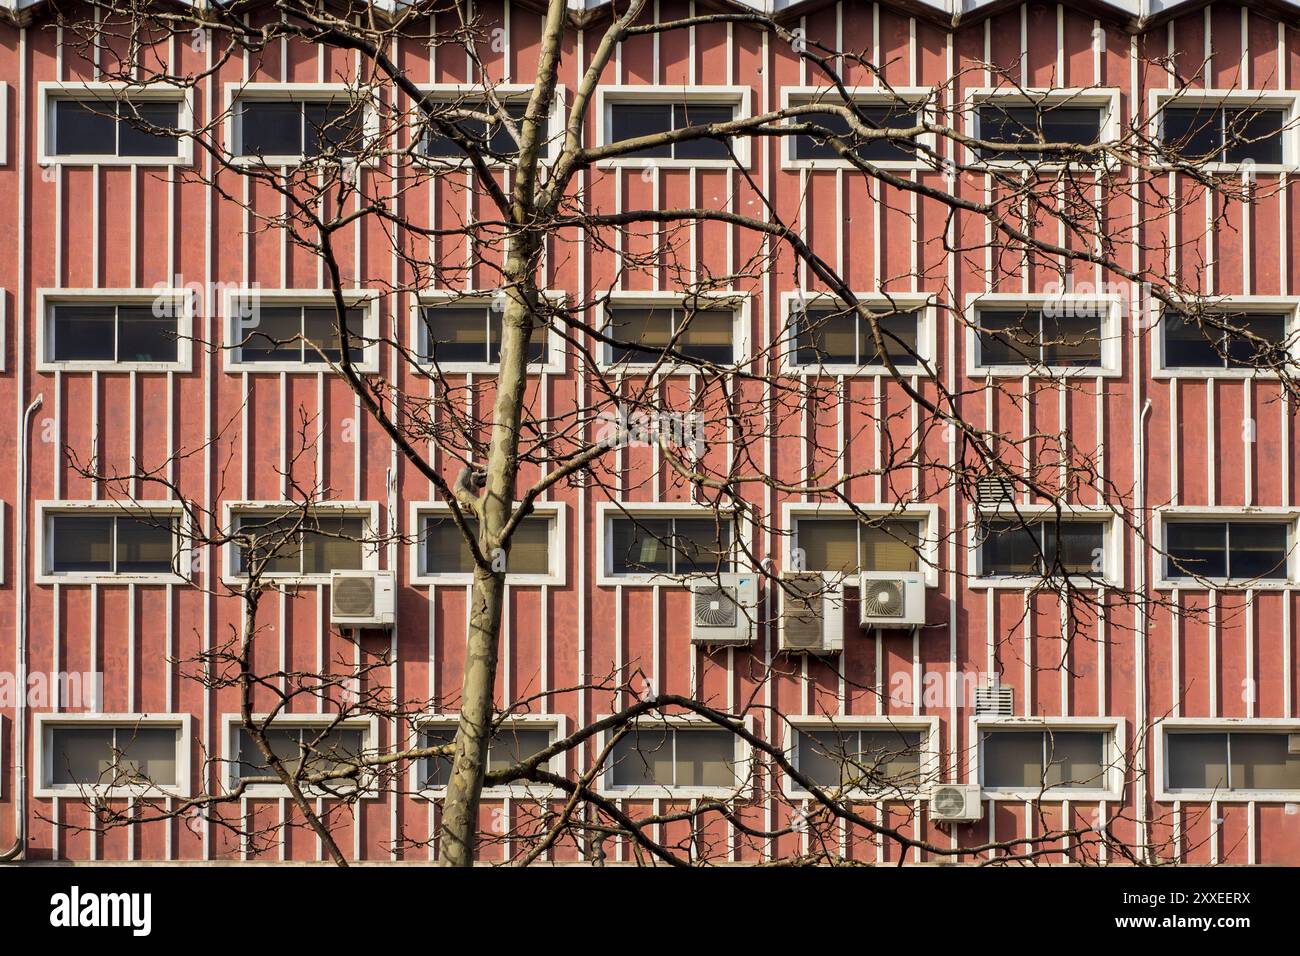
[
  {"x": 655, "y": 163},
  {"x": 1028, "y": 583},
  {"x": 1052, "y": 794},
  {"x": 1221, "y": 584},
  {"x": 149, "y": 368},
  {"x": 489, "y": 368},
  {"x": 103, "y": 792},
  {"x": 368, "y": 367},
  {"x": 1043, "y": 371},
  {"x": 108, "y": 578},
  {"x": 853, "y": 371},
  {"x": 727, "y": 794},
  {"x": 84, "y": 160},
  {"x": 465, "y": 580},
  {"x": 1227, "y": 796},
  {"x": 1207, "y": 374},
  {"x": 830, "y": 165}
]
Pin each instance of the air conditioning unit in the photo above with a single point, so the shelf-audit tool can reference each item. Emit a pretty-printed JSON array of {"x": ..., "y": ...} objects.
[
  {"x": 956, "y": 803},
  {"x": 724, "y": 608},
  {"x": 363, "y": 598},
  {"x": 811, "y": 612},
  {"x": 891, "y": 598}
]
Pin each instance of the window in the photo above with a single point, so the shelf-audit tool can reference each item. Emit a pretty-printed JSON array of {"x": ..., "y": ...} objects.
[
  {"x": 285, "y": 127},
  {"x": 298, "y": 545},
  {"x": 1232, "y": 761},
  {"x": 1207, "y": 132},
  {"x": 652, "y": 755},
  {"x": 870, "y": 759},
  {"x": 640, "y": 334},
  {"x": 631, "y": 120},
  {"x": 806, "y": 146},
  {"x": 106, "y": 543},
  {"x": 514, "y": 741},
  {"x": 1225, "y": 340},
  {"x": 1033, "y": 760},
  {"x": 1060, "y": 335},
  {"x": 1013, "y": 123},
  {"x": 837, "y": 335},
  {"x": 297, "y": 334},
  {"x": 1042, "y": 548},
  {"x": 113, "y": 333},
  {"x": 650, "y": 544},
  {"x": 113, "y": 127},
  {"x": 314, "y": 748},
  {"x": 493, "y": 137},
  {"x": 470, "y": 334},
  {"x": 86, "y": 755},
  {"x": 444, "y": 550},
  {"x": 849, "y": 545},
  {"x": 1235, "y": 550}
]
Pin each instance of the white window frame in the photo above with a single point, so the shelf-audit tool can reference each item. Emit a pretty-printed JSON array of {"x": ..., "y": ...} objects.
[
  {"x": 233, "y": 325},
  {"x": 301, "y": 93},
  {"x": 926, "y": 334},
  {"x": 1172, "y": 513},
  {"x": 432, "y": 298},
  {"x": 44, "y": 787},
  {"x": 231, "y": 727},
  {"x": 1114, "y": 770},
  {"x": 442, "y": 92},
  {"x": 737, "y": 302},
  {"x": 47, "y": 299},
  {"x": 1288, "y": 306},
  {"x": 1287, "y": 100},
  {"x": 45, "y": 510},
  {"x": 1111, "y": 332},
  {"x": 556, "y": 511},
  {"x": 1112, "y": 545},
  {"x": 1107, "y": 99},
  {"x": 743, "y": 764},
  {"x": 870, "y": 96},
  {"x": 928, "y": 757},
  {"x": 557, "y": 724},
  {"x": 50, "y": 91},
  {"x": 927, "y": 514},
  {"x": 1219, "y": 725},
  {"x": 368, "y": 511},
  {"x": 738, "y": 97},
  {"x": 607, "y": 511}
]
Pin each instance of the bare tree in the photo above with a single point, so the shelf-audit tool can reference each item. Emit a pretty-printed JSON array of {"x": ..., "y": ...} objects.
[{"x": 528, "y": 162}]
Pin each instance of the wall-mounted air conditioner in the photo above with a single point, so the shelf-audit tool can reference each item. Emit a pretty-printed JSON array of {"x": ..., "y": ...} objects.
[
  {"x": 891, "y": 598},
  {"x": 811, "y": 612},
  {"x": 724, "y": 609},
  {"x": 956, "y": 803},
  {"x": 363, "y": 598}
]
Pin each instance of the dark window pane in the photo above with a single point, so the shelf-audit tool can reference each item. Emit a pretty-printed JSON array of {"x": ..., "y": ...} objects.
[
  {"x": 641, "y": 545},
  {"x": 1076, "y": 760},
  {"x": 1072, "y": 340},
  {"x": 84, "y": 129},
  {"x": 1267, "y": 347},
  {"x": 82, "y": 543},
  {"x": 1009, "y": 338},
  {"x": 334, "y": 128},
  {"x": 642, "y": 757},
  {"x": 445, "y": 549},
  {"x": 494, "y": 137},
  {"x": 84, "y": 333},
  {"x": 1195, "y": 133},
  {"x": 1186, "y": 344},
  {"x": 884, "y": 117},
  {"x": 685, "y": 115},
  {"x": 1257, "y": 550},
  {"x": 437, "y": 770},
  {"x": 1254, "y": 134},
  {"x": 273, "y": 539},
  {"x": 708, "y": 335},
  {"x": 285, "y": 743},
  {"x": 333, "y": 543},
  {"x": 145, "y": 544},
  {"x": 514, "y": 744},
  {"x": 899, "y": 333},
  {"x": 825, "y": 336},
  {"x": 1010, "y": 548},
  {"x": 274, "y": 334},
  {"x": 829, "y": 544},
  {"x": 81, "y": 756},
  {"x": 816, "y": 147},
  {"x": 1196, "y": 549},
  {"x": 1013, "y": 760},
  {"x": 456, "y": 333},
  {"x": 143, "y": 336},
  {"x": 322, "y": 336},
  {"x": 1073, "y": 547},
  {"x": 1197, "y": 761},
  {"x": 705, "y": 758},
  {"x": 701, "y": 545},
  {"x": 1263, "y": 761},
  {"x": 633, "y": 120},
  {"x": 268, "y": 128},
  {"x": 640, "y": 334},
  {"x": 136, "y": 129}
]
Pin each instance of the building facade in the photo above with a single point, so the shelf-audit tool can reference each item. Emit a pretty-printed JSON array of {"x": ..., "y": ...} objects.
[{"x": 1162, "y": 688}]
